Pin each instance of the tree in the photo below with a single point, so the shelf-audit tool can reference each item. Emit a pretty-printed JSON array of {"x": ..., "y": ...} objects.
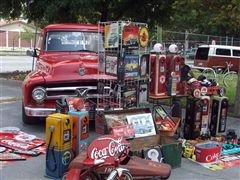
[
  {"x": 55, "y": 11},
  {"x": 208, "y": 17},
  {"x": 11, "y": 9},
  {"x": 27, "y": 35}
]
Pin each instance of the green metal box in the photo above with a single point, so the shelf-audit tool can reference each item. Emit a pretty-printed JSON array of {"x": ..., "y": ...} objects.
[{"x": 171, "y": 148}]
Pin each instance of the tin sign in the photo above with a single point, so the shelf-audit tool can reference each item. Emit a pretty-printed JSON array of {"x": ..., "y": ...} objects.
[{"x": 107, "y": 148}]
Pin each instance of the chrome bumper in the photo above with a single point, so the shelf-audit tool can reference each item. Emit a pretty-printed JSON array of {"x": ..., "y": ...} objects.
[{"x": 39, "y": 112}]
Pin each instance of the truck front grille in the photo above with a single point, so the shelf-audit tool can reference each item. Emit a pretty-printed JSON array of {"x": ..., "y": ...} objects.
[{"x": 86, "y": 91}]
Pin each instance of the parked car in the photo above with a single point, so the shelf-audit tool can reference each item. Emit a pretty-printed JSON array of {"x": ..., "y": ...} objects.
[
  {"x": 190, "y": 53},
  {"x": 66, "y": 62},
  {"x": 218, "y": 55}
]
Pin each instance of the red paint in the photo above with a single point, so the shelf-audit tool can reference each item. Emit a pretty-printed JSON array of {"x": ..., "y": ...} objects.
[
  {"x": 208, "y": 152},
  {"x": 106, "y": 147},
  {"x": 54, "y": 69}
]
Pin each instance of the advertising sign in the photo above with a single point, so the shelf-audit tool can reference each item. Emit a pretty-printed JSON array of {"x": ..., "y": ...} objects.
[
  {"x": 143, "y": 124},
  {"x": 131, "y": 65},
  {"x": 106, "y": 147},
  {"x": 111, "y": 35},
  {"x": 111, "y": 65},
  {"x": 130, "y": 36},
  {"x": 143, "y": 37}
]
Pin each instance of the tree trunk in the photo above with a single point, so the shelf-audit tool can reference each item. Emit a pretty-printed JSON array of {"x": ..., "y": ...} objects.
[{"x": 237, "y": 100}]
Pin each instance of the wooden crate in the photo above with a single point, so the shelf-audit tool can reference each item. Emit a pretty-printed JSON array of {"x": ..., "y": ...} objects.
[
  {"x": 170, "y": 132},
  {"x": 119, "y": 117}
]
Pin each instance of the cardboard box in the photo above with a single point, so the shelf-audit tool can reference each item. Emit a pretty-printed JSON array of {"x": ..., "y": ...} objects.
[{"x": 119, "y": 117}]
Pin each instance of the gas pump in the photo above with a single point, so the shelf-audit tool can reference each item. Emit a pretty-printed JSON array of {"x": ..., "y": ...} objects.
[
  {"x": 193, "y": 118},
  {"x": 59, "y": 144},
  {"x": 174, "y": 65},
  {"x": 158, "y": 86},
  {"x": 80, "y": 129},
  {"x": 205, "y": 114},
  {"x": 219, "y": 115}
]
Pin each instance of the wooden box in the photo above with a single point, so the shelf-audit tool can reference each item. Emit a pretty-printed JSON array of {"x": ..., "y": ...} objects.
[
  {"x": 172, "y": 131},
  {"x": 119, "y": 117}
]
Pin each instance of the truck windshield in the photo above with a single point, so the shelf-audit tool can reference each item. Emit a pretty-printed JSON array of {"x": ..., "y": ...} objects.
[{"x": 63, "y": 41}]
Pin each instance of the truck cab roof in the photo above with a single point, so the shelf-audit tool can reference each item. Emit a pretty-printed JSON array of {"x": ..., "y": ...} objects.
[{"x": 67, "y": 27}]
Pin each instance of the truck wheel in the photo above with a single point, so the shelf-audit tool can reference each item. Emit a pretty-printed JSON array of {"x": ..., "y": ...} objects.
[{"x": 26, "y": 119}]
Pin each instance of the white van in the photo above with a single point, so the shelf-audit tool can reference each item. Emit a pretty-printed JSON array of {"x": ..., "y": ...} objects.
[{"x": 217, "y": 55}]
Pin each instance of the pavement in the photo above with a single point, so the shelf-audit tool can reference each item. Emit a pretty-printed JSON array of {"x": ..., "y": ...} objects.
[
  {"x": 13, "y": 63},
  {"x": 34, "y": 168}
]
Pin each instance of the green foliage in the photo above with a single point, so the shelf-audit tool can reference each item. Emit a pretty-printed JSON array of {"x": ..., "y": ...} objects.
[
  {"x": 44, "y": 12},
  {"x": 27, "y": 35},
  {"x": 220, "y": 17},
  {"x": 11, "y": 9}
]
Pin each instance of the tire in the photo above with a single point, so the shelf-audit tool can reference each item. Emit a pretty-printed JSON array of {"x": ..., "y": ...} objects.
[
  {"x": 230, "y": 78},
  {"x": 209, "y": 73},
  {"x": 27, "y": 119},
  {"x": 126, "y": 175}
]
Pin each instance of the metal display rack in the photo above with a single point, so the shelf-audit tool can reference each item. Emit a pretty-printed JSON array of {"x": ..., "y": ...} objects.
[{"x": 120, "y": 79}]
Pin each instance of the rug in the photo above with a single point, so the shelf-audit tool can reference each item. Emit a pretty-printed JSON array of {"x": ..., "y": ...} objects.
[{"x": 224, "y": 161}]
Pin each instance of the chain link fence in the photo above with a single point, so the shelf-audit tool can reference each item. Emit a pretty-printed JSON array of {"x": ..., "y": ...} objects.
[{"x": 188, "y": 42}]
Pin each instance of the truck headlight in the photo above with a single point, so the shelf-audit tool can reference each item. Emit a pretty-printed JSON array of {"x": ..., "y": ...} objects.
[{"x": 39, "y": 94}]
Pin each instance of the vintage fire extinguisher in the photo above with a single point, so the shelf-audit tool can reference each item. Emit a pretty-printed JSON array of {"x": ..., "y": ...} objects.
[
  {"x": 80, "y": 130},
  {"x": 219, "y": 115},
  {"x": 59, "y": 144}
]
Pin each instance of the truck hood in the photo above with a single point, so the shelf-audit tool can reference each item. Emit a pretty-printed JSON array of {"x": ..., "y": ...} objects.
[{"x": 60, "y": 67}]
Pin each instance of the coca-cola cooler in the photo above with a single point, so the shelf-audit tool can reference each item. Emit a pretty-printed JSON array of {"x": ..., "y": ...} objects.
[
  {"x": 158, "y": 71},
  {"x": 219, "y": 115},
  {"x": 193, "y": 118}
]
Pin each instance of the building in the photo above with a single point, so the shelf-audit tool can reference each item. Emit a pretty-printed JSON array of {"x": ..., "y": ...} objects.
[{"x": 11, "y": 35}]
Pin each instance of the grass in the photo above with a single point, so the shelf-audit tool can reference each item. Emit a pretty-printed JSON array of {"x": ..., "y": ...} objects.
[
  {"x": 16, "y": 75},
  {"x": 230, "y": 91},
  {"x": 10, "y": 99}
]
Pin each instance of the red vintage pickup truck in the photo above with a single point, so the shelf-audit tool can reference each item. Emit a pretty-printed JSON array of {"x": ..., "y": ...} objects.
[{"x": 66, "y": 61}]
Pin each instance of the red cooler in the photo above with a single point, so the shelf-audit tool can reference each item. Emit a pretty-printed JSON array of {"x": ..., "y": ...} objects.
[{"x": 208, "y": 152}]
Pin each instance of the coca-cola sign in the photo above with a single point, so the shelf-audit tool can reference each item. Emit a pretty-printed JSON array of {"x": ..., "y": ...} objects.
[{"x": 107, "y": 147}]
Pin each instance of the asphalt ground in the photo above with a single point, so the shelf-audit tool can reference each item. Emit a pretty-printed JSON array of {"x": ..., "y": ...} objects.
[
  {"x": 13, "y": 63},
  {"x": 34, "y": 168}
]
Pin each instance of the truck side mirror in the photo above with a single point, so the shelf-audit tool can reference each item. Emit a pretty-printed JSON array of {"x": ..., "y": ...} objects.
[{"x": 32, "y": 52}]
